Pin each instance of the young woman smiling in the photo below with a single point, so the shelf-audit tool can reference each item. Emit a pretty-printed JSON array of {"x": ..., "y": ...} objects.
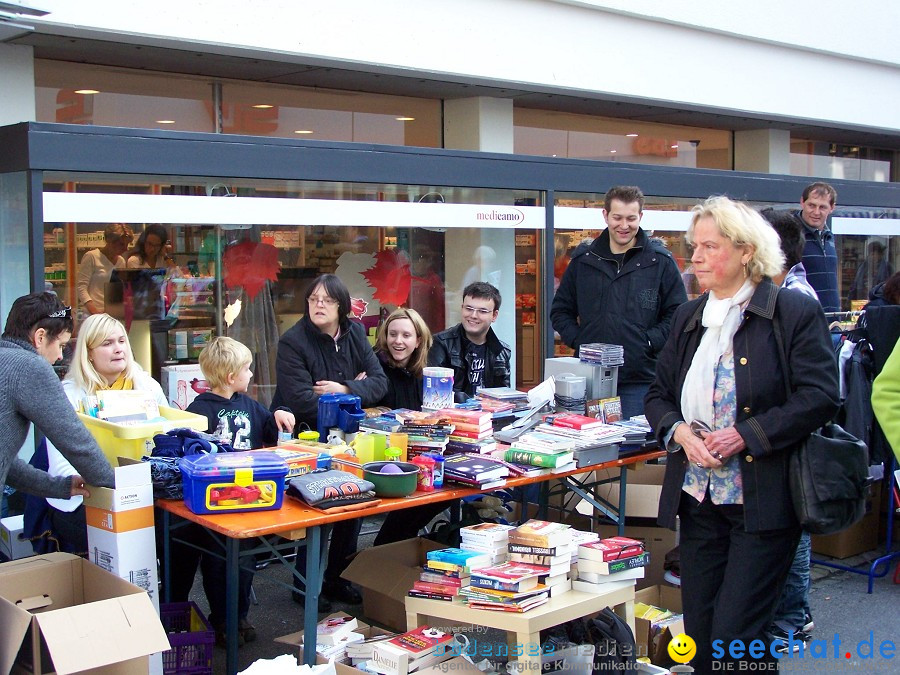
[{"x": 402, "y": 347}]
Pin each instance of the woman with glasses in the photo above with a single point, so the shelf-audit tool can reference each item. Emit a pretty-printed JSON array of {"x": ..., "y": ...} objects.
[
  {"x": 37, "y": 329},
  {"x": 326, "y": 353},
  {"x": 150, "y": 250},
  {"x": 102, "y": 361},
  {"x": 720, "y": 406}
]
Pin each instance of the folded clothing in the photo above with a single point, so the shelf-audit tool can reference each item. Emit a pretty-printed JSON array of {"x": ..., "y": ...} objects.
[{"x": 329, "y": 488}]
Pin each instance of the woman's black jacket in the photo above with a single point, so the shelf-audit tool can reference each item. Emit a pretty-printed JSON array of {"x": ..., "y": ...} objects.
[{"x": 771, "y": 423}]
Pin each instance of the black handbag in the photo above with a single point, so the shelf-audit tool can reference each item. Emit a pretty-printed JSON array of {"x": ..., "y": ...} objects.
[
  {"x": 828, "y": 473},
  {"x": 828, "y": 476}
]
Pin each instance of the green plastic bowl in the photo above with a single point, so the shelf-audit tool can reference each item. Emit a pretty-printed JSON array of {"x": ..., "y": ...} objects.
[{"x": 392, "y": 484}]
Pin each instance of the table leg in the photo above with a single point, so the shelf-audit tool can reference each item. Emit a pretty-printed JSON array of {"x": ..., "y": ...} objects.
[
  {"x": 167, "y": 552},
  {"x": 626, "y": 613},
  {"x": 232, "y": 563},
  {"x": 530, "y": 644},
  {"x": 623, "y": 481},
  {"x": 313, "y": 588}
]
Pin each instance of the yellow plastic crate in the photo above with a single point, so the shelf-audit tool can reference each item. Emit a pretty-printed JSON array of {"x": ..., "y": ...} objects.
[{"x": 134, "y": 441}]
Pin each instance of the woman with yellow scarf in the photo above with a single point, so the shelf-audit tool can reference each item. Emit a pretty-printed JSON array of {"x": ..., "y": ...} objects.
[{"x": 102, "y": 360}]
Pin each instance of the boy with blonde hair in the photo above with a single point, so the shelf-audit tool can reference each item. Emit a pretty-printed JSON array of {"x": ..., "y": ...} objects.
[
  {"x": 233, "y": 416},
  {"x": 247, "y": 425}
]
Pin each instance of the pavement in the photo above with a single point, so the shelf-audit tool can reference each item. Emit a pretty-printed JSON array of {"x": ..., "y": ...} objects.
[{"x": 841, "y": 607}]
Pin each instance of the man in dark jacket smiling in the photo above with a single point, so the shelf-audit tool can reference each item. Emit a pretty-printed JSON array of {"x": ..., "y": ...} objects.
[
  {"x": 623, "y": 289},
  {"x": 477, "y": 356}
]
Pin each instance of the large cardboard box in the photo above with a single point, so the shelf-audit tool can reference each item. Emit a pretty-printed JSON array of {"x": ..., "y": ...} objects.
[
  {"x": 11, "y": 546},
  {"x": 182, "y": 384},
  {"x": 859, "y": 538},
  {"x": 385, "y": 574},
  {"x": 121, "y": 536},
  {"x": 642, "y": 492},
  {"x": 63, "y": 614},
  {"x": 664, "y": 597}
]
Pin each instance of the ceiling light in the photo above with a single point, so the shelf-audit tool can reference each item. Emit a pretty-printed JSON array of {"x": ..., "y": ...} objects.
[
  {"x": 613, "y": 150},
  {"x": 405, "y": 119},
  {"x": 165, "y": 121},
  {"x": 303, "y": 131},
  {"x": 631, "y": 135},
  {"x": 674, "y": 146},
  {"x": 87, "y": 92},
  {"x": 263, "y": 106}
]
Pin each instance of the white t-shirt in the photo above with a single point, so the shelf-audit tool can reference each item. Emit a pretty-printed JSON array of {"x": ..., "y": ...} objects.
[{"x": 93, "y": 274}]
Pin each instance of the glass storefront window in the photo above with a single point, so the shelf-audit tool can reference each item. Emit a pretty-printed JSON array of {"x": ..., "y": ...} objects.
[
  {"x": 15, "y": 251},
  {"x": 821, "y": 159},
  {"x": 322, "y": 114},
  {"x": 557, "y": 134},
  {"x": 241, "y": 265},
  {"x": 77, "y": 93}
]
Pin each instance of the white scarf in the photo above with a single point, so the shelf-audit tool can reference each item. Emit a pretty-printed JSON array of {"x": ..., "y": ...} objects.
[{"x": 721, "y": 318}]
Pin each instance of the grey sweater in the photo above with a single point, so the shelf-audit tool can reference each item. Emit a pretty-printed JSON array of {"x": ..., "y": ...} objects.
[{"x": 31, "y": 392}]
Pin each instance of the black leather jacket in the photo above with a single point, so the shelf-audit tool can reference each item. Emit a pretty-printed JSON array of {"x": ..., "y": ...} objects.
[{"x": 449, "y": 351}]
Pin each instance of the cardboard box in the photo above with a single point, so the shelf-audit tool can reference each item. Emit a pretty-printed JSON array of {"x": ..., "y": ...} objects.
[
  {"x": 10, "y": 545},
  {"x": 642, "y": 492},
  {"x": 859, "y": 538},
  {"x": 385, "y": 574},
  {"x": 296, "y": 640},
  {"x": 664, "y": 597},
  {"x": 63, "y": 614},
  {"x": 121, "y": 536},
  {"x": 182, "y": 384}
]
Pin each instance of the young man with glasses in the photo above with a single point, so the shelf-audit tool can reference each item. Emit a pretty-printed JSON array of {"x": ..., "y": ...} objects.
[{"x": 471, "y": 348}]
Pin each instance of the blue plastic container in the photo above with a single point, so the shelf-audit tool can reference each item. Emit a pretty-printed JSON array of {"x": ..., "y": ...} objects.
[{"x": 233, "y": 482}]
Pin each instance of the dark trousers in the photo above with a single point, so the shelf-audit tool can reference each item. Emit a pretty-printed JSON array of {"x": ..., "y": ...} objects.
[
  {"x": 731, "y": 579},
  {"x": 183, "y": 563},
  {"x": 70, "y": 530},
  {"x": 344, "y": 536},
  {"x": 406, "y": 523}
]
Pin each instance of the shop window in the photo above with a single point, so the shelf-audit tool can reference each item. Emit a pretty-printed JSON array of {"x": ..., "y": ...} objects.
[
  {"x": 556, "y": 134},
  {"x": 821, "y": 159},
  {"x": 248, "y": 280},
  {"x": 321, "y": 114},
  {"x": 75, "y": 93}
]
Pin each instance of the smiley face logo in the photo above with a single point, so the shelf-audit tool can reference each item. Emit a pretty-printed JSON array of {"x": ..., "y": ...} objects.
[{"x": 682, "y": 648}]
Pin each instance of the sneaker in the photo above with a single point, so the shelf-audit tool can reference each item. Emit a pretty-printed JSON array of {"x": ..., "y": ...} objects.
[
  {"x": 246, "y": 630},
  {"x": 783, "y": 641},
  {"x": 808, "y": 624},
  {"x": 672, "y": 577}
]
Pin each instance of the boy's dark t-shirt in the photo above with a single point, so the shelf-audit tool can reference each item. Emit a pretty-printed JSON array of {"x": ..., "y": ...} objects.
[
  {"x": 477, "y": 355},
  {"x": 243, "y": 422}
]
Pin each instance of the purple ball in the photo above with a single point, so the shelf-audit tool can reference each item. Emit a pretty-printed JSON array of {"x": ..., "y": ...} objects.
[{"x": 390, "y": 468}]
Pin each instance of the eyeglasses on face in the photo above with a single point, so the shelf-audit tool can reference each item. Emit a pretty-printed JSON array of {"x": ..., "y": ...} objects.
[
  {"x": 480, "y": 311},
  {"x": 324, "y": 299}
]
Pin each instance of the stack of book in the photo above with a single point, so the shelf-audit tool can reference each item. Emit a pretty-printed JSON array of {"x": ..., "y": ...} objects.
[
  {"x": 635, "y": 429},
  {"x": 360, "y": 652},
  {"x": 411, "y": 651},
  {"x": 473, "y": 470},
  {"x": 609, "y": 561},
  {"x": 487, "y": 538},
  {"x": 334, "y": 635},
  {"x": 547, "y": 545},
  {"x": 472, "y": 431},
  {"x": 602, "y": 354},
  {"x": 547, "y": 450},
  {"x": 607, "y": 410},
  {"x": 446, "y": 571},
  {"x": 507, "y": 395},
  {"x": 426, "y": 431},
  {"x": 507, "y": 587}
]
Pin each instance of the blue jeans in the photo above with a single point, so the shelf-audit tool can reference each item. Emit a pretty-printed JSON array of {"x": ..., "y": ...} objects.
[
  {"x": 632, "y": 396},
  {"x": 794, "y": 604}
]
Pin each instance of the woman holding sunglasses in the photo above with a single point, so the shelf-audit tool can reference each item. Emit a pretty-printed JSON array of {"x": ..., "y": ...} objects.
[{"x": 719, "y": 406}]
